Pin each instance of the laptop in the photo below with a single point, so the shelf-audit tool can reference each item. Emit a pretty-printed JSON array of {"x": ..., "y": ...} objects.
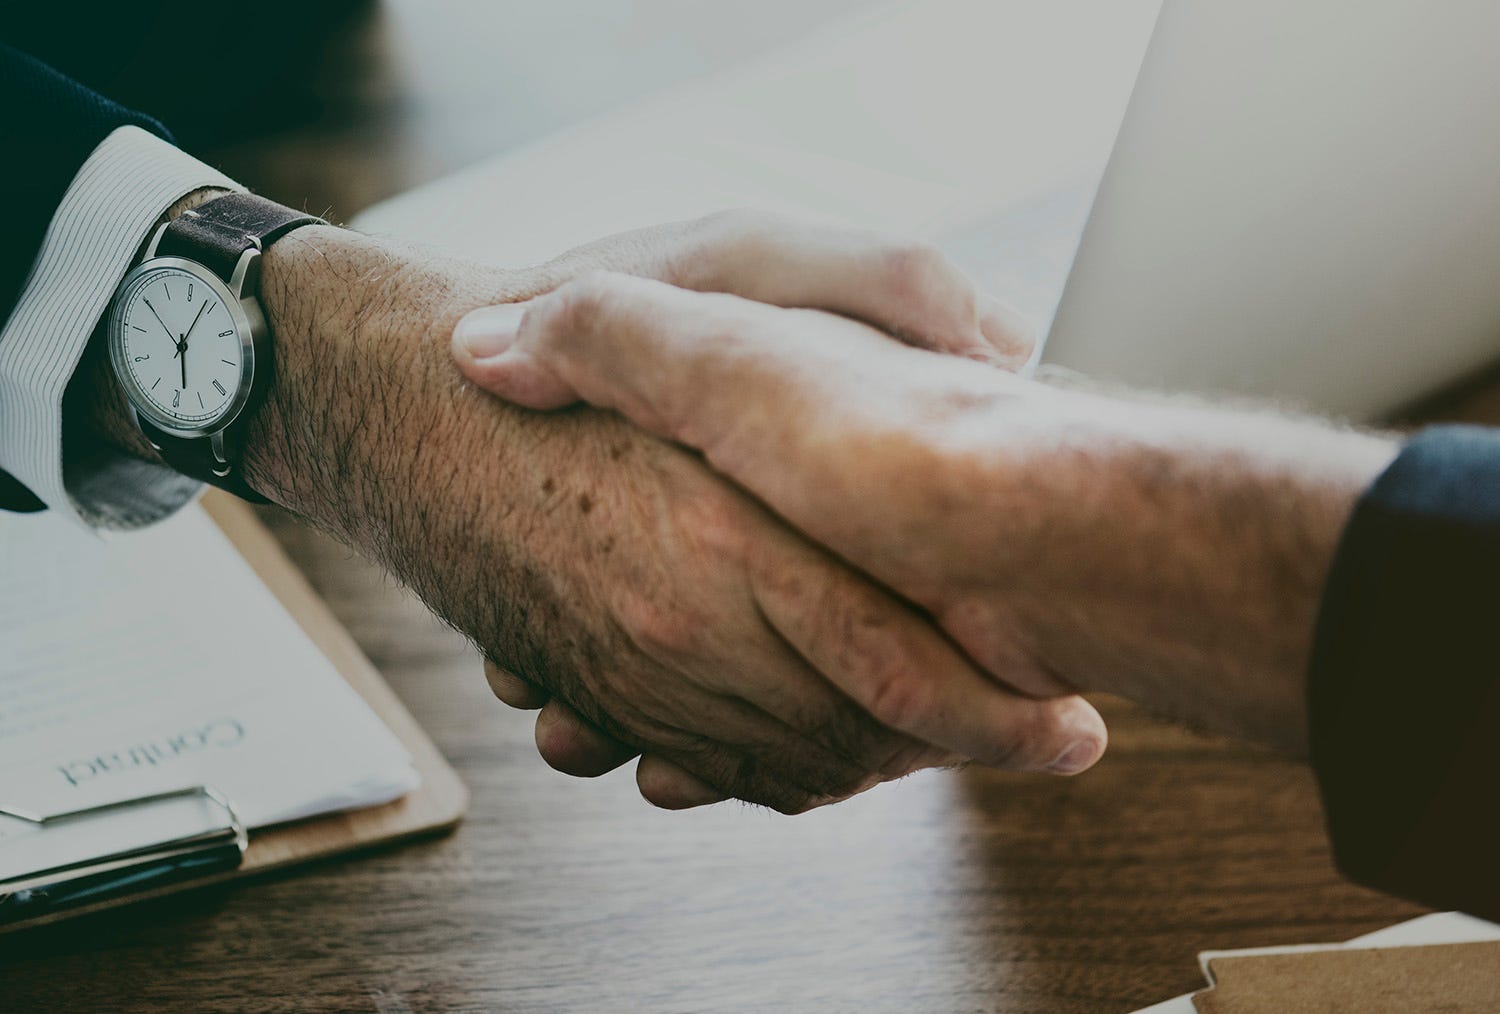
[
  {"x": 1300, "y": 202},
  {"x": 1303, "y": 205}
]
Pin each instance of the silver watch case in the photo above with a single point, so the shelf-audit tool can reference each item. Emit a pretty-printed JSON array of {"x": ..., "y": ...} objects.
[{"x": 250, "y": 324}]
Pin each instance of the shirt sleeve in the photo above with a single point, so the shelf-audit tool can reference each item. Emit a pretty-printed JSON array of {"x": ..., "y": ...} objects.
[
  {"x": 116, "y": 198},
  {"x": 1404, "y": 681}
]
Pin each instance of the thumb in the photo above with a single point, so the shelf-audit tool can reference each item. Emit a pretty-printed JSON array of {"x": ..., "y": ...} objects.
[
  {"x": 639, "y": 347},
  {"x": 487, "y": 352}
]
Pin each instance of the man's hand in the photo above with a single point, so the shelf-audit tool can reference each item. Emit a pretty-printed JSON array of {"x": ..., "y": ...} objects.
[
  {"x": 603, "y": 566},
  {"x": 1066, "y": 541},
  {"x": 905, "y": 289}
]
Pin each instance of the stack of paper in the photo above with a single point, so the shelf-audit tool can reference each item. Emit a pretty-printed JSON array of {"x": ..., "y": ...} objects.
[{"x": 135, "y": 663}]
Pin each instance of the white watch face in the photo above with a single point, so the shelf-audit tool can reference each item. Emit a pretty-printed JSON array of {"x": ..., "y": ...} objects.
[{"x": 178, "y": 348}]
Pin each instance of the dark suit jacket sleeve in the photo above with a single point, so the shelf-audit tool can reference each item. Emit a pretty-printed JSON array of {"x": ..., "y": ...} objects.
[
  {"x": 51, "y": 124},
  {"x": 1404, "y": 684}
]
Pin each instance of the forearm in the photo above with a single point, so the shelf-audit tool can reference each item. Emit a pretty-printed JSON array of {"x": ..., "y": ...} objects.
[
  {"x": 1181, "y": 554},
  {"x": 367, "y": 432},
  {"x": 370, "y": 433}
]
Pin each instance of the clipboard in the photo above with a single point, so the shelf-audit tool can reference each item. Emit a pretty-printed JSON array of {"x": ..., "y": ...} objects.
[{"x": 435, "y": 806}]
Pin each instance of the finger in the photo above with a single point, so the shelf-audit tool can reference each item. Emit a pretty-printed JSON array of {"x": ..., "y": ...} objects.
[
  {"x": 824, "y": 741},
  {"x": 750, "y": 775},
  {"x": 910, "y": 678},
  {"x": 756, "y": 771},
  {"x": 570, "y": 745},
  {"x": 670, "y": 787},
  {"x": 513, "y": 690},
  {"x": 909, "y": 289},
  {"x": 752, "y": 755}
]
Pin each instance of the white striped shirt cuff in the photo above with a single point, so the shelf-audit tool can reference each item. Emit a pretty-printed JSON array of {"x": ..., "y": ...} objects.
[{"x": 119, "y": 194}]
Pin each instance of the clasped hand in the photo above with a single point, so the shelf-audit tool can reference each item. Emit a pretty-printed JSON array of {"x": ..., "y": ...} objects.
[{"x": 826, "y": 620}]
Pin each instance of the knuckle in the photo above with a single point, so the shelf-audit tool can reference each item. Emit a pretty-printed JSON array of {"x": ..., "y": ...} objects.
[
  {"x": 898, "y": 698},
  {"x": 659, "y": 631},
  {"x": 716, "y": 526},
  {"x": 917, "y": 267},
  {"x": 720, "y": 244},
  {"x": 581, "y": 305}
]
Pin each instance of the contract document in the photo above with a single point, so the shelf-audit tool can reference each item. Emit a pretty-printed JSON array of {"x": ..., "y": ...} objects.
[{"x": 137, "y": 663}]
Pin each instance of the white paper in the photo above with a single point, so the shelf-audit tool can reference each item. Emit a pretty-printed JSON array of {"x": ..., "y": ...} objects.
[
  {"x": 119, "y": 831},
  {"x": 135, "y": 663}
]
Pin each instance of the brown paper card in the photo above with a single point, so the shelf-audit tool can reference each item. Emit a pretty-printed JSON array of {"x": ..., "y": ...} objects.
[{"x": 1452, "y": 978}]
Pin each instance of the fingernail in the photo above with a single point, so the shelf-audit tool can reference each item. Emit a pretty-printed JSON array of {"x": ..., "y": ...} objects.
[
  {"x": 1076, "y": 758},
  {"x": 489, "y": 330}
]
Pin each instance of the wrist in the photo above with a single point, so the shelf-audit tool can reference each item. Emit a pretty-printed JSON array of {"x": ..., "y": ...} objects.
[
  {"x": 358, "y": 383},
  {"x": 1190, "y": 546},
  {"x": 369, "y": 432}
]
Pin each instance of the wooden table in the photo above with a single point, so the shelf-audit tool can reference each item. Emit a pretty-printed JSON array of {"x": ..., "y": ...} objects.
[{"x": 950, "y": 891}]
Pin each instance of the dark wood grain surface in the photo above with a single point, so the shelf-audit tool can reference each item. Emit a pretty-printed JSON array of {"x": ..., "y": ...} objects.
[{"x": 949, "y": 891}]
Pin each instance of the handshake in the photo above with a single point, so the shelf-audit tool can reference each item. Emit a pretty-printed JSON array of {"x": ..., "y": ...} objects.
[{"x": 765, "y": 504}]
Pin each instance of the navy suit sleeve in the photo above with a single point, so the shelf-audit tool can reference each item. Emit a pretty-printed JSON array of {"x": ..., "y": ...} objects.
[
  {"x": 52, "y": 123},
  {"x": 1404, "y": 682}
]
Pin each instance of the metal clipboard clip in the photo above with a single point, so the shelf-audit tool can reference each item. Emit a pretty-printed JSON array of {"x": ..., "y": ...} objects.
[{"x": 75, "y": 880}]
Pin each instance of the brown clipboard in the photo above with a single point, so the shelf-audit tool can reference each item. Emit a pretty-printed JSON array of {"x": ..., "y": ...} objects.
[{"x": 436, "y": 805}]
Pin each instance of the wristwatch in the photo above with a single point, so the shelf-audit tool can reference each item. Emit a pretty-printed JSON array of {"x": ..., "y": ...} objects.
[{"x": 188, "y": 339}]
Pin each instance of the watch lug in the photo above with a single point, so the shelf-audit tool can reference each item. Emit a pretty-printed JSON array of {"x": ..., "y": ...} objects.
[
  {"x": 221, "y": 458},
  {"x": 136, "y": 415},
  {"x": 155, "y": 241},
  {"x": 245, "y": 278}
]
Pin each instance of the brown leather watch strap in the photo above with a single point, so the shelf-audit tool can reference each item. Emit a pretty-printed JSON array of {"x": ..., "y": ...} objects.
[{"x": 219, "y": 232}]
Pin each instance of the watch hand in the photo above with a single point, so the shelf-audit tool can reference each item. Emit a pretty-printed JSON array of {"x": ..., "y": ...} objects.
[
  {"x": 158, "y": 318},
  {"x": 201, "y": 308},
  {"x": 182, "y": 348}
]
